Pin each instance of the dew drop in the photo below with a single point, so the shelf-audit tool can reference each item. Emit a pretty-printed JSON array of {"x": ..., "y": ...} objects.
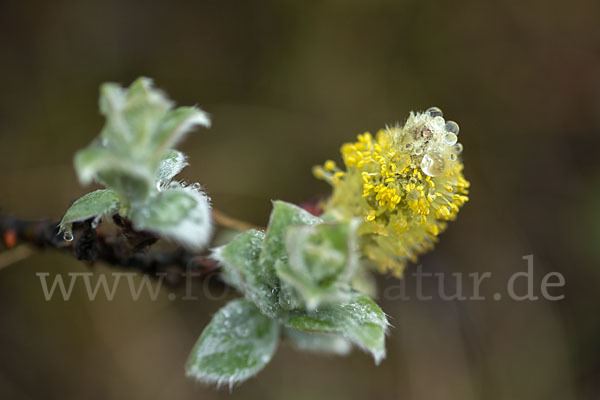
[
  {"x": 432, "y": 164},
  {"x": 68, "y": 235},
  {"x": 434, "y": 112},
  {"x": 408, "y": 146},
  {"x": 459, "y": 148},
  {"x": 413, "y": 180},
  {"x": 452, "y": 127},
  {"x": 196, "y": 186},
  {"x": 439, "y": 123},
  {"x": 418, "y": 151},
  {"x": 453, "y": 156},
  {"x": 450, "y": 139},
  {"x": 95, "y": 223}
]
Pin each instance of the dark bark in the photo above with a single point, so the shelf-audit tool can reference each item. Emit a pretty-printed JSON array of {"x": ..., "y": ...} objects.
[{"x": 125, "y": 248}]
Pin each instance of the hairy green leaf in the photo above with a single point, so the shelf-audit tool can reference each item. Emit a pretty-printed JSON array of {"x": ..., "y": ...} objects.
[
  {"x": 283, "y": 216},
  {"x": 179, "y": 214},
  {"x": 240, "y": 257},
  {"x": 132, "y": 155},
  {"x": 360, "y": 321},
  {"x": 238, "y": 343},
  {"x": 323, "y": 343},
  {"x": 323, "y": 259},
  {"x": 243, "y": 269},
  {"x": 91, "y": 205},
  {"x": 176, "y": 124},
  {"x": 132, "y": 115},
  {"x": 171, "y": 164},
  {"x": 132, "y": 180}
]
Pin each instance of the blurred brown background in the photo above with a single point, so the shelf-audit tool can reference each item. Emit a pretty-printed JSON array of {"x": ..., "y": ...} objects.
[{"x": 286, "y": 82}]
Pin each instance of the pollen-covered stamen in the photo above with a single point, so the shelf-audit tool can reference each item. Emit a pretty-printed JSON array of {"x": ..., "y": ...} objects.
[{"x": 329, "y": 172}]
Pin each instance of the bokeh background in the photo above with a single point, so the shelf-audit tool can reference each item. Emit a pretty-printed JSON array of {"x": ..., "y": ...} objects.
[{"x": 286, "y": 82}]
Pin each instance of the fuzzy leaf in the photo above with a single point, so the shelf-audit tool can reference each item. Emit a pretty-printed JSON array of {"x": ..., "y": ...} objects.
[
  {"x": 132, "y": 115},
  {"x": 116, "y": 131},
  {"x": 172, "y": 163},
  {"x": 239, "y": 257},
  {"x": 243, "y": 269},
  {"x": 94, "y": 204},
  {"x": 141, "y": 121},
  {"x": 261, "y": 283},
  {"x": 323, "y": 343},
  {"x": 289, "y": 297},
  {"x": 283, "y": 216},
  {"x": 130, "y": 179},
  {"x": 176, "y": 125},
  {"x": 360, "y": 321},
  {"x": 238, "y": 343},
  {"x": 179, "y": 214},
  {"x": 323, "y": 259}
]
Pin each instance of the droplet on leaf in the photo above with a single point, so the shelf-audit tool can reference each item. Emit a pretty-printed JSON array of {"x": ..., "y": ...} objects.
[{"x": 68, "y": 235}]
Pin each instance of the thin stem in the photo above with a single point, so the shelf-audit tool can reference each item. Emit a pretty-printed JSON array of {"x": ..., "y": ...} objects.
[
  {"x": 226, "y": 221},
  {"x": 14, "y": 255}
]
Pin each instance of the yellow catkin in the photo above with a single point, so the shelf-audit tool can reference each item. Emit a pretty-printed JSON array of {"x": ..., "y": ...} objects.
[{"x": 405, "y": 183}]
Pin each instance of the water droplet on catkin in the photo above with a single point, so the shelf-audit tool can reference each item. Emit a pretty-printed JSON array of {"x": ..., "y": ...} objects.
[
  {"x": 450, "y": 139},
  {"x": 452, "y": 127},
  {"x": 434, "y": 112},
  {"x": 439, "y": 122},
  {"x": 432, "y": 164}
]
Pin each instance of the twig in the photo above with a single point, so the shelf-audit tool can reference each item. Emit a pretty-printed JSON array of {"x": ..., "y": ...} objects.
[
  {"x": 124, "y": 249},
  {"x": 127, "y": 248},
  {"x": 15, "y": 255},
  {"x": 226, "y": 221}
]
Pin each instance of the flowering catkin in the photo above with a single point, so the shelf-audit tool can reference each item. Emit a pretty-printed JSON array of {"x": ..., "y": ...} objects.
[{"x": 405, "y": 183}]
